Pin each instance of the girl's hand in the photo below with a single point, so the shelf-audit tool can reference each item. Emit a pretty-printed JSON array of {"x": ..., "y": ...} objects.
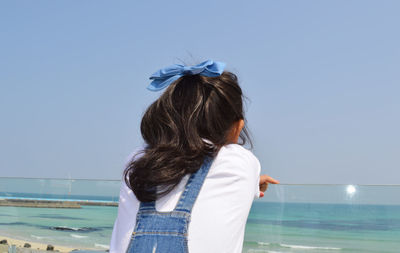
[{"x": 264, "y": 181}]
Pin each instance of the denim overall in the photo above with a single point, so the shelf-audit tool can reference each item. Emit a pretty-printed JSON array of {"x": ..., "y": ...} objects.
[{"x": 165, "y": 232}]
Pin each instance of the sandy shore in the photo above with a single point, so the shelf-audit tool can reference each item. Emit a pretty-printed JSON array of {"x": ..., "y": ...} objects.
[{"x": 34, "y": 245}]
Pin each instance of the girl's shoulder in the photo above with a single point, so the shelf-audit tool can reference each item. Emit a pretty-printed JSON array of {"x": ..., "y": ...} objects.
[
  {"x": 230, "y": 156},
  {"x": 238, "y": 164},
  {"x": 235, "y": 152}
]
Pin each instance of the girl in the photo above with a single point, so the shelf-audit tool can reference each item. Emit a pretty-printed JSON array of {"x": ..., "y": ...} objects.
[{"x": 191, "y": 187}]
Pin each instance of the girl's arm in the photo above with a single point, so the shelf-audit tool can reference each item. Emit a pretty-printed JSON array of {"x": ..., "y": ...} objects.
[
  {"x": 124, "y": 224},
  {"x": 128, "y": 207}
]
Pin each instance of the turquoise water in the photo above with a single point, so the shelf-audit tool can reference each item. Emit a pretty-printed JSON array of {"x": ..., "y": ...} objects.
[
  {"x": 289, "y": 227},
  {"x": 271, "y": 227},
  {"x": 89, "y": 227}
]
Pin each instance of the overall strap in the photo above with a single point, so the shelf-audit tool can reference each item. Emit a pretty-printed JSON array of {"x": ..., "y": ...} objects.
[
  {"x": 193, "y": 186},
  {"x": 147, "y": 206}
]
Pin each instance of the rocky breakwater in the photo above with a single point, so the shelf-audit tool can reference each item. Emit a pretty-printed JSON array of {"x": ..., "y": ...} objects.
[
  {"x": 52, "y": 203},
  {"x": 39, "y": 203}
]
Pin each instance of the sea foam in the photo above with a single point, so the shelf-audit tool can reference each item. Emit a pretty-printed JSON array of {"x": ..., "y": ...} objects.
[
  {"x": 307, "y": 247},
  {"x": 37, "y": 237},
  {"x": 264, "y": 243},
  {"x": 101, "y": 245},
  {"x": 78, "y": 236}
]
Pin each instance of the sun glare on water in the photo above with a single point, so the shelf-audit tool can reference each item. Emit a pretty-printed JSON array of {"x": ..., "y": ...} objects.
[{"x": 351, "y": 190}]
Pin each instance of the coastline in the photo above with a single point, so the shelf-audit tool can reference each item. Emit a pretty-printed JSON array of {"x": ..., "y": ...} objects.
[
  {"x": 39, "y": 203},
  {"x": 34, "y": 245},
  {"x": 53, "y": 209}
]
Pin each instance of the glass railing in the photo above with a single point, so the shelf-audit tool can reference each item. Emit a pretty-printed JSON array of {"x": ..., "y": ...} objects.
[
  {"x": 325, "y": 218},
  {"x": 79, "y": 214}
]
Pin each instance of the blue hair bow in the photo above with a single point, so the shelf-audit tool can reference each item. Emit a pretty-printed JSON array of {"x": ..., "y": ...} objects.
[{"x": 164, "y": 77}]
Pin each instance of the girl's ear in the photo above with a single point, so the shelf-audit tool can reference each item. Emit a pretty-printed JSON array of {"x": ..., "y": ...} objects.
[
  {"x": 240, "y": 127},
  {"x": 235, "y": 131}
]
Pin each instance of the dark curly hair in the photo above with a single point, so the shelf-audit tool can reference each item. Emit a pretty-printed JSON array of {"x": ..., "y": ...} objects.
[{"x": 191, "y": 120}]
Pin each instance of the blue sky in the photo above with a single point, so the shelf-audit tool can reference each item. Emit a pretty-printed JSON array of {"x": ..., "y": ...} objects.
[{"x": 322, "y": 78}]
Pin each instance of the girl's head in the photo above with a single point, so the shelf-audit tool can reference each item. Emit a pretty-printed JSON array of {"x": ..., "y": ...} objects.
[
  {"x": 192, "y": 109},
  {"x": 194, "y": 117}
]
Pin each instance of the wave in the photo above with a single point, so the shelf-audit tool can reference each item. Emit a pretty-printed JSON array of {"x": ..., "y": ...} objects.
[
  {"x": 101, "y": 245},
  {"x": 291, "y": 246},
  {"x": 264, "y": 243},
  {"x": 38, "y": 237},
  {"x": 262, "y": 251},
  {"x": 308, "y": 247},
  {"x": 78, "y": 236}
]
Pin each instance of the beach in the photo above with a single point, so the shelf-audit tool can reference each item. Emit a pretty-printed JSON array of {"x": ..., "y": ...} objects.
[{"x": 34, "y": 245}]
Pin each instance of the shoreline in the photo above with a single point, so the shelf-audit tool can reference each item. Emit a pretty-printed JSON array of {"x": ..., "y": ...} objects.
[
  {"x": 19, "y": 202},
  {"x": 34, "y": 245}
]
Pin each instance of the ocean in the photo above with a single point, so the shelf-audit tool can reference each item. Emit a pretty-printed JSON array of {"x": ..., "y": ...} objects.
[
  {"x": 271, "y": 227},
  {"x": 307, "y": 227}
]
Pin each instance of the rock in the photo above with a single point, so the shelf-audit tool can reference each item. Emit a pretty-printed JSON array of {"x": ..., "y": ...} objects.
[
  {"x": 27, "y": 245},
  {"x": 50, "y": 247},
  {"x": 3, "y": 242}
]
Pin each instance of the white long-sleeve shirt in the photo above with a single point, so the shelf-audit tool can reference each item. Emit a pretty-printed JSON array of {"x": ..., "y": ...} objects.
[{"x": 220, "y": 212}]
